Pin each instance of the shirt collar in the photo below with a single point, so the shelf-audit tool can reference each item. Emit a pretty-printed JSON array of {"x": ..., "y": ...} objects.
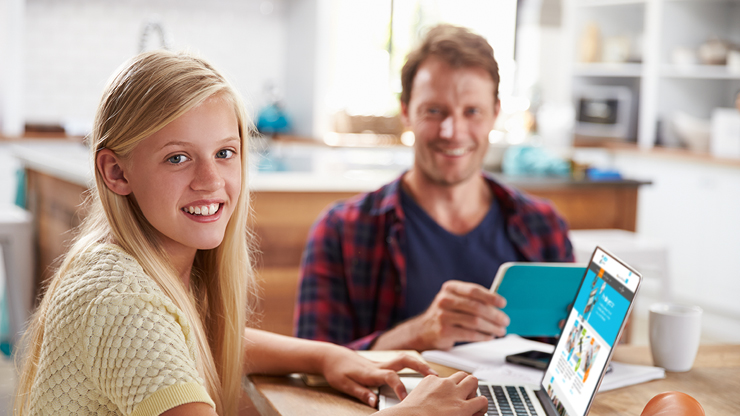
[{"x": 389, "y": 197}]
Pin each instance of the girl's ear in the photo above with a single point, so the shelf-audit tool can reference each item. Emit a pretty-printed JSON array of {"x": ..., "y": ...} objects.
[{"x": 111, "y": 169}]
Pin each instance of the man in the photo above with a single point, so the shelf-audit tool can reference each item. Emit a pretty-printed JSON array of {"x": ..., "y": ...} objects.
[{"x": 409, "y": 265}]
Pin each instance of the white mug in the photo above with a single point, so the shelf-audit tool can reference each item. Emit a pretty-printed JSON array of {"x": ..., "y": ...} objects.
[{"x": 675, "y": 331}]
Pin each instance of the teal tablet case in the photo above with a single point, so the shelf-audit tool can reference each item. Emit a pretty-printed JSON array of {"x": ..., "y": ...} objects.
[{"x": 538, "y": 296}]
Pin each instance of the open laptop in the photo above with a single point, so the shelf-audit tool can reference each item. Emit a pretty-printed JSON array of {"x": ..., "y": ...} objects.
[{"x": 594, "y": 325}]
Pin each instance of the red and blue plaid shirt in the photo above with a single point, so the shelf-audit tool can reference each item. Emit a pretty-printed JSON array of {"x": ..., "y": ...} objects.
[{"x": 353, "y": 271}]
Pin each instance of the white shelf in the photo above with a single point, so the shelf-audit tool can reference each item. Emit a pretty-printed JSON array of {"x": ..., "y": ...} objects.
[
  {"x": 698, "y": 72},
  {"x": 702, "y": 1},
  {"x": 598, "y": 3},
  {"x": 604, "y": 69},
  {"x": 659, "y": 26}
]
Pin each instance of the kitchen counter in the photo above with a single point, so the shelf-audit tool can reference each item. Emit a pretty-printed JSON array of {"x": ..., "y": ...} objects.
[
  {"x": 291, "y": 186},
  {"x": 301, "y": 168},
  {"x": 70, "y": 161},
  {"x": 63, "y": 159}
]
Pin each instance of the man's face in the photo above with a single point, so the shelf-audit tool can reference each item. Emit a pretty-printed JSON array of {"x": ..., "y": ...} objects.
[{"x": 451, "y": 112}]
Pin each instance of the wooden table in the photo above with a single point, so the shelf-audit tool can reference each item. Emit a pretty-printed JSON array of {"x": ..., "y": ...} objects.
[{"x": 714, "y": 382}]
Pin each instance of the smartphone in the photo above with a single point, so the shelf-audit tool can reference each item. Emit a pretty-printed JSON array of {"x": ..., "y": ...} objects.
[{"x": 536, "y": 359}]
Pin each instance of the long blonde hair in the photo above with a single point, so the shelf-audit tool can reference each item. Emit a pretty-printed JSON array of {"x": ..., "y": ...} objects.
[{"x": 146, "y": 94}]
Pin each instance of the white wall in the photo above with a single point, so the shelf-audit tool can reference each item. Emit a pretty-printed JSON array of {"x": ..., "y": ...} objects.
[
  {"x": 73, "y": 46},
  {"x": 11, "y": 67},
  {"x": 553, "y": 67},
  {"x": 302, "y": 64},
  {"x": 9, "y": 166}
]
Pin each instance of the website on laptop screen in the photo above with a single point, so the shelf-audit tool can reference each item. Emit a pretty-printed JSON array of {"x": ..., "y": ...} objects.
[{"x": 590, "y": 332}]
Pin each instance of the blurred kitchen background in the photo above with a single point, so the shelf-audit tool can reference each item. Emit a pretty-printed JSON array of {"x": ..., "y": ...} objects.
[{"x": 623, "y": 112}]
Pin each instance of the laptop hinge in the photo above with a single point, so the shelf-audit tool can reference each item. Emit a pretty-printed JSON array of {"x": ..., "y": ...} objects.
[{"x": 546, "y": 402}]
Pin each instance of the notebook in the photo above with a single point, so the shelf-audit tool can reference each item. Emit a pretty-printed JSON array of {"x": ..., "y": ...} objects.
[{"x": 538, "y": 295}]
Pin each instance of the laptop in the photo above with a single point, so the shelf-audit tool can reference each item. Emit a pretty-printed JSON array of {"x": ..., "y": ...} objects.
[{"x": 579, "y": 362}]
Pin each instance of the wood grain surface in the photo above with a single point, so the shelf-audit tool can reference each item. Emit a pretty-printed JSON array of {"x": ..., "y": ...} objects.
[{"x": 714, "y": 381}]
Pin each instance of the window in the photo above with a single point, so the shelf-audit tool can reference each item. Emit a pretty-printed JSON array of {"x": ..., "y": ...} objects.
[{"x": 370, "y": 41}]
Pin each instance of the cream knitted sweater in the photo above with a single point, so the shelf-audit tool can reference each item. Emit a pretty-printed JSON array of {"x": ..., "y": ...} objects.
[{"x": 114, "y": 344}]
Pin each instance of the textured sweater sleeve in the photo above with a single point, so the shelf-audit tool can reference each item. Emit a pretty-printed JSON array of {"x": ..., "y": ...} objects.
[{"x": 138, "y": 348}]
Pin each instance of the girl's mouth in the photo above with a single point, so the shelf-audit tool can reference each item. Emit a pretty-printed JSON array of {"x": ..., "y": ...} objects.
[{"x": 202, "y": 210}]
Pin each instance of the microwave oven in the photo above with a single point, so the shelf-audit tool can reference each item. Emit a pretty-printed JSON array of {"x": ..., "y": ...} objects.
[{"x": 605, "y": 111}]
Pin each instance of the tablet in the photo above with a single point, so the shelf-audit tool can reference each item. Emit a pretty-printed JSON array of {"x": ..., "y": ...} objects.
[{"x": 538, "y": 295}]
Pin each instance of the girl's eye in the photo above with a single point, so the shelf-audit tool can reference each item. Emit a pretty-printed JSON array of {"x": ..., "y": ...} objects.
[
  {"x": 225, "y": 154},
  {"x": 177, "y": 159}
]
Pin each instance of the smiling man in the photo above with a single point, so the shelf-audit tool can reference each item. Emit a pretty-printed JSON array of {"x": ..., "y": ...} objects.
[{"x": 408, "y": 266}]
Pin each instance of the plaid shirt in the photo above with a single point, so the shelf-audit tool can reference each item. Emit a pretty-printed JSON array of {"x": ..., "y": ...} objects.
[{"x": 353, "y": 272}]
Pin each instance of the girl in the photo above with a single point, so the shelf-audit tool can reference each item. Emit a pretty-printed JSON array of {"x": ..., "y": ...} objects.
[{"x": 148, "y": 312}]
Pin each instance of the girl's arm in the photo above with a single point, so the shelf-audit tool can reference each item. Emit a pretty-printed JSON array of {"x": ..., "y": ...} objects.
[
  {"x": 344, "y": 369},
  {"x": 191, "y": 409},
  {"x": 451, "y": 396},
  {"x": 347, "y": 371}
]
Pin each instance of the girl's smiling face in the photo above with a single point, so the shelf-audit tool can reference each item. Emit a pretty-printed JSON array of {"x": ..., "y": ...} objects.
[{"x": 186, "y": 178}]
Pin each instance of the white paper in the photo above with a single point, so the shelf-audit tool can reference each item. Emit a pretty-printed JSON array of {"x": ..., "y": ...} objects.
[
  {"x": 486, "y": 360},
  {"x": 623, "y": 375},
  {"x": 387, "y": 397},
  {"x": 511, "y": 374},
  {"x": 478, "y": 356}
]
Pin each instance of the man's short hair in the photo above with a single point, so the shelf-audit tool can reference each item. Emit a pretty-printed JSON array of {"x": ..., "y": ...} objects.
[{"x": 458, "y": 47}]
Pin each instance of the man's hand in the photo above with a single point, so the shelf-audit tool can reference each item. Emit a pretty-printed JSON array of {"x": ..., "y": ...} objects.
[{"x": 461, "y": 312}]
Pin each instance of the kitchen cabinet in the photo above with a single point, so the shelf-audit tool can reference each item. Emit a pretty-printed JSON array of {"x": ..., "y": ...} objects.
[
  {"x": 281, "y": 221},
  {"x": 651, "y": 47},
  {"x": 692, "y": 207}
]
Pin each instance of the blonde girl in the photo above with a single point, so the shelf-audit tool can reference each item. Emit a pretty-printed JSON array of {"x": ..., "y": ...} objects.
[{"x": 148, "y": 311}]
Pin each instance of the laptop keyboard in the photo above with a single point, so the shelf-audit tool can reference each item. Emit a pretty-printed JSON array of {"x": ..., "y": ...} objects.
[{"x": 507, "y": 401}]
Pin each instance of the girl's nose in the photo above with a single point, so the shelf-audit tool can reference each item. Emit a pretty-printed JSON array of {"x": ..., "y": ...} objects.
[{"x": 207, "y": 177}]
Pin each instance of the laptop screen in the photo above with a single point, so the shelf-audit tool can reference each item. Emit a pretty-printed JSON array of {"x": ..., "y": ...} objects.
[{"x": 592, "y": 327}]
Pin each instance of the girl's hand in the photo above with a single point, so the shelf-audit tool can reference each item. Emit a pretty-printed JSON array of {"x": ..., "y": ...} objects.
[
  {"x": 347, "y": 371},
  {"x": 454, "y": 395}
]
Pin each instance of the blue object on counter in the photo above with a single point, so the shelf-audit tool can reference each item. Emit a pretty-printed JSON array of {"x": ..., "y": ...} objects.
[
  {"x": 596, "y": 174},
  {"x": 269, "y": 163},
  {"x": 20, "y": 190},
  {"x": 533, "y": 161},
  {"x": 272, "y": 120},
  {"x": 6, "y": 346}
]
